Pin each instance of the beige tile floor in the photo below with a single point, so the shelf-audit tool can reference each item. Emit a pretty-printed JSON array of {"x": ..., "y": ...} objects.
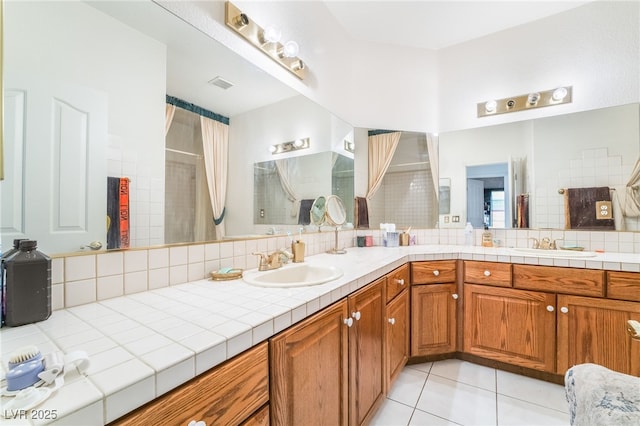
[{"x": 454, "y": 392}]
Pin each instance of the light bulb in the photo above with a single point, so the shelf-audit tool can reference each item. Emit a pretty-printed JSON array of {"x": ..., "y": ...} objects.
[
  {"x": 271, "y": 34},
  {"x": 533, "y": 98},
  {"x": 273, "y": 149},
  {"x": 298, "y": 143},
  {"x": 559, "y": 94},
  {"x": 290, "y": 49},
  {"x": 490, "y": 106}
]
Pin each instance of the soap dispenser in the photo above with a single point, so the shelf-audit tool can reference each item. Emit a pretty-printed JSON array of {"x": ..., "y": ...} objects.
[
  {"x": 297, "y": 248},
  {"x": 487, "y": 237}
]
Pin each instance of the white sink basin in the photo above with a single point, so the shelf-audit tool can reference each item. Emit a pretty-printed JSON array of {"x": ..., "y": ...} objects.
[
  {"x": 552, "y": 253},
  {"x": 293, "y": 276}
]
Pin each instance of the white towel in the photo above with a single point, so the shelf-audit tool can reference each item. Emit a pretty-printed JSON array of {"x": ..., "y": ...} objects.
[{"x": 626, "y": 203}]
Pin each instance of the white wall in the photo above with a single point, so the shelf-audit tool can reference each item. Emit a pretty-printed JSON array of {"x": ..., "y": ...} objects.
[
  {"x": 595, "y": 48},
  {"x": 75, "y": 44},
  {"x": 251, "y": 134}
]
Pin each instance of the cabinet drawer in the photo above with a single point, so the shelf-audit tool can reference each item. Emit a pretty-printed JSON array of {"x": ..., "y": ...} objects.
[
  {"x": 492, "y": 273},
  {"x": 397, "y": 281},
  {"x": 623, "y": 285},
  {"x": 439, "y": 271},
  {"x": 227, "y": 394},
  {"x": 582, "y": 282}
]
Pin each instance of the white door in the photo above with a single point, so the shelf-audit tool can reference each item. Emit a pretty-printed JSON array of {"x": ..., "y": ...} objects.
[
  {"x": 475, "y": 203},
  {"x": 56, "y": 178}
]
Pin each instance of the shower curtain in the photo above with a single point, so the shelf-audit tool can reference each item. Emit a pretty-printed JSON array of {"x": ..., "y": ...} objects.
[
  {"x": 215, "y": 142},
  {"x": 381, "y": 150}
]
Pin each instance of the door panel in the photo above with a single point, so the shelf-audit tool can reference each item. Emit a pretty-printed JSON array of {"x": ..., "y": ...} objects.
[
  {"x": 475, "y": 203},
  {"x": 62, "y": 157}
]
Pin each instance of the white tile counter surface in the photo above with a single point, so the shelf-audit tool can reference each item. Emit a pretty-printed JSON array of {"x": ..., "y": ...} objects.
[{"x": 145, "y": 344}]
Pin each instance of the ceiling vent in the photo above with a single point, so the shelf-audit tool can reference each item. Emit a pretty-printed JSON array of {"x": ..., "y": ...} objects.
[{"x": 221, "y": 83}]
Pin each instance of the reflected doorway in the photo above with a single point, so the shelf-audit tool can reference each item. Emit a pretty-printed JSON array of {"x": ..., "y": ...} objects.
[{"x": 488, "y": 196}]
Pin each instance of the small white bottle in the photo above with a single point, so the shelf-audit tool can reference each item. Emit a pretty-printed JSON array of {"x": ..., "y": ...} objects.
[{"x": 468, "y": 234}]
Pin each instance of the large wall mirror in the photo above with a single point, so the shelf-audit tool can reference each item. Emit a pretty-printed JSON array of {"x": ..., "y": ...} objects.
[
  {"x": 407, "y": 194},
  {"x": 540, "y": 158},
  {"x": 107, "y": 91},
  {"x": 284, "y": 189}
]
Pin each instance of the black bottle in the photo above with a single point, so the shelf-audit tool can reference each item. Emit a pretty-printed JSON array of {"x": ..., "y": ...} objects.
[
  {"x": 3, "y": 256},
  {"x": 27, "y": 285}
]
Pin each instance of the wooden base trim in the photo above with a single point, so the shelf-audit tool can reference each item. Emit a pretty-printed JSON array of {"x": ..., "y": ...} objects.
[{"x": 523, "y": 371}]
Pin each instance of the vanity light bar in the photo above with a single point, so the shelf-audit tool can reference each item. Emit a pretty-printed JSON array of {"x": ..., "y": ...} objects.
[
  {"x": 284, "y": 54},
  {"x": 560, "y": 95},
  {"x": 290, "y": 146}
]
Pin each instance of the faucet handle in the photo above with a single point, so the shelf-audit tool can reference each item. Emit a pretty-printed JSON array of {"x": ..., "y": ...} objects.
[
  {"x": 536, "y": 243},
  {"x": 264, "y": 261},
  {"x": 554, "y": 244}
]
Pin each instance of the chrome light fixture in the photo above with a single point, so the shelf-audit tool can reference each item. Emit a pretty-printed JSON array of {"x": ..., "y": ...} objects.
[
  {"x": 560, "y": 95},
  {"x": 265, "y": 39},
  {"x": 290, "y": 146}
]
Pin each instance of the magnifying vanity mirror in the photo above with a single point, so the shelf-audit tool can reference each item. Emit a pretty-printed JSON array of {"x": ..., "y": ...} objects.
[{"x": 336, "y": 214}]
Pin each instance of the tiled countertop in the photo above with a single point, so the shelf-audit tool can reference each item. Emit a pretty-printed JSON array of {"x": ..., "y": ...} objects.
[{"x": 145, "y": 344}]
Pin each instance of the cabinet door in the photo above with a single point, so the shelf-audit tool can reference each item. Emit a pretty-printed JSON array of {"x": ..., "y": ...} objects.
[
  {"x": 397, "y": 340},
  {"x": 513, "y": 326},
  {"x": 433, "y": 319},
  {"x": 366, "y": 352},
  {"x": 309, "y": 371},
  {"x": 595, "y": 330}
]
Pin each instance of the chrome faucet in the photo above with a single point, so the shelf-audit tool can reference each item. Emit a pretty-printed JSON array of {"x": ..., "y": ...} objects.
[{"x": 274, "y": 260}]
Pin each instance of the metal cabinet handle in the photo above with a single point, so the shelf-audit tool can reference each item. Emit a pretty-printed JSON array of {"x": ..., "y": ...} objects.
[
  {"x": 436, "y": 272},
  {"x": 356, "y": 315},
  {"x": 487, "y": 273},
  {"x": 400, "y": 281},
  {"x": 348, "y": 322},
  {"x": 564, "y": 310},
  {"x": 455, "y": 296},
  {"x": 392, "y": 321},
  {"x": 550, "y": 308}
]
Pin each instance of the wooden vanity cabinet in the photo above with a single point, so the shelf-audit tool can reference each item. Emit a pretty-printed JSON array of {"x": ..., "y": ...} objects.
[
  {"x": 397, "y": 324},
  {"x": 595, "y": 330},
  {"x": 328, "y": 369},
  {"x": 231, "y": 393},
  {"x": 553, "y": 318},
  {"x": 433, "y": 307}
]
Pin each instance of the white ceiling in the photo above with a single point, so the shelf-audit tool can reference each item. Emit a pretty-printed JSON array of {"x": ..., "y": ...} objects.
[
  {"x": 193, "y": 58},
  {"x": 436, "y": 24}
]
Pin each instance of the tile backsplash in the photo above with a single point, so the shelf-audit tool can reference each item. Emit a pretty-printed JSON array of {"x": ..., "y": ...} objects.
[{"x": 86, "y": 278}]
